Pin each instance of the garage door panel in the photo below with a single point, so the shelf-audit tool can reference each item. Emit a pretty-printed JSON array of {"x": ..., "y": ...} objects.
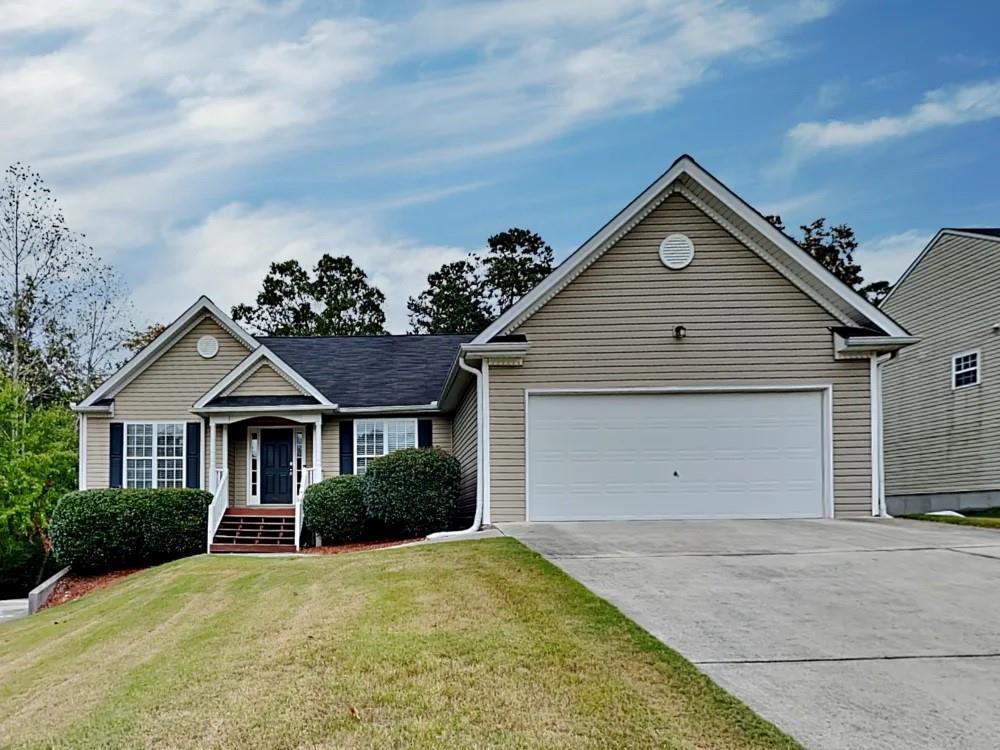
[{"x": 646, "y": 456}]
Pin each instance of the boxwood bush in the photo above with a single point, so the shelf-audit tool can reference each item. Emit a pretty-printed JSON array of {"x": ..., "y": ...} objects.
[
  {"x": 97, "y": 530},
  {"x": 412, "y": 492},
  {"x": 335, "y": 508}
]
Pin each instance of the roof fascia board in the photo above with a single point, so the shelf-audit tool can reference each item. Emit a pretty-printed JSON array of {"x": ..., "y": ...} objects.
[
  {"x": 640, "y": 207},
  {"x": 261, "y": 353},
  {"x": 187, "y": 320},
  {"x": 927, "y": 248},
  {"x": 431, "y": 407}
]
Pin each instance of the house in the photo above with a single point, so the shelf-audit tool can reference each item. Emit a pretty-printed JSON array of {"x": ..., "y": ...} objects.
[
  {"x": 942, "y": 396},
  {"x": 688, "y": 361}
]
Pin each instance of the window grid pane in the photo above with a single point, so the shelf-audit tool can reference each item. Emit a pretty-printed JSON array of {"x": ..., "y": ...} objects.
[
  {"x": 966, "y": 369},
  {"x": 154, "y": 455}
]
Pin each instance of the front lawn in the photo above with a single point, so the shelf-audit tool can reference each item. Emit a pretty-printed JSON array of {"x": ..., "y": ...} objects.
[
  {"x": 987, "y": 518},
  {"x": 471, "y": 644}
]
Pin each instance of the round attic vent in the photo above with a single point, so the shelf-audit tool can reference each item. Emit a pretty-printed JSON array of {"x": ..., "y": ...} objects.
[
  {"x": 208, "y": 346},
  {"x": 676, "y": 251}
]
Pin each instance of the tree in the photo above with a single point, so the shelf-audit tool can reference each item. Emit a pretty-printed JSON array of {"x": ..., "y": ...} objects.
[
  {"x": 38, "y": 453},
  {"x": 454, "y": 301},
  {"x": 337, "y": 300},
  {"x": 834, "y": 248},
  {"x": 138, "y": 339},
  {"x": 465, "y": 296},
  {"x": 62, "y": 311},
  {"x": 516, "y": 261}
]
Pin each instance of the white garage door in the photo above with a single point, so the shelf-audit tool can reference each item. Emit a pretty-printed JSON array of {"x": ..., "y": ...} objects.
[{"x": 681, "y": 455}]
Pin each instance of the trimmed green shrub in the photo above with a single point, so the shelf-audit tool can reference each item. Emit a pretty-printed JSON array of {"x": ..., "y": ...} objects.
[
  {"x": 96, "y": 530},
  {"x": 412, "y": 492},
  {"x": 335, "y": 508}
]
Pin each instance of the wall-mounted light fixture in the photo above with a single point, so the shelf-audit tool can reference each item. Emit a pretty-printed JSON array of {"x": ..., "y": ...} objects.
[{"x": 680, "y": 332}]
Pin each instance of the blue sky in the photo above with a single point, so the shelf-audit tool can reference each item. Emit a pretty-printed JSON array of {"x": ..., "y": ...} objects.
[{"x": 195, "y": 142}]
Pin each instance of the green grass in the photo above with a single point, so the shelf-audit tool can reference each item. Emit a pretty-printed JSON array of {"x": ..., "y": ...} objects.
[
  {"x": 988, "y": 518},
  {"x": 473, "y": 644}
]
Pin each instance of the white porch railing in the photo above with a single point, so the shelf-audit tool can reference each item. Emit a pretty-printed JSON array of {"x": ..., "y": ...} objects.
[
  {"x": 220, "y": 501},
  {"x": 308, "y": 477}
]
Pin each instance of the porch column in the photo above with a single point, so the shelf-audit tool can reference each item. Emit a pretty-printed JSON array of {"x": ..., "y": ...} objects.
[
  {"x": 318, "y": 449},
  {"x": 211, "y": 460},
  {"x": 225, "y": 446}
]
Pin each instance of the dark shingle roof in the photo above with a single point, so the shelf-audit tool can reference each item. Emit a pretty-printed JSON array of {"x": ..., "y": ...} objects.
[
  {"x": 988, "y": 231},
  {"x": 262, "y": 401},
  {"x": 371, "y": 370}
]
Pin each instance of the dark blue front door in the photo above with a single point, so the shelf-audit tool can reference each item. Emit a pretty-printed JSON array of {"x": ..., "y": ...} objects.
[{"x": 276, "y": 466}]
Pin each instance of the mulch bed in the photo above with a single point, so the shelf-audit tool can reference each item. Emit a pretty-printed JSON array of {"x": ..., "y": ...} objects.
[
  {"x": 71, "y": 586},
  {"x": 336, "y": 549}
]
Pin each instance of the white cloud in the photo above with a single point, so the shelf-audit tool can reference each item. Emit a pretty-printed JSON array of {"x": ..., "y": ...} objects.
[
  {"x": 228, "y": 253},
  {"x": 940, "y": 108},
  {"x": 885, "y": 258},
  {"x": 144, "y": 117}
]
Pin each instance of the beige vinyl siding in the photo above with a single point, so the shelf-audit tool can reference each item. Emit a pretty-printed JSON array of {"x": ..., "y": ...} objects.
[
  {"x": 466, "y": 445},
  {"x": 169, "y": 387},
  {"x": 441, "y": 434},
  {"x": 98, "y": 450},
  {"x": 746, "y": 325},
  {"x": 940, "y": 440},
  {"x": 265, "y": 381},
  {"x": 164, "y": 391}
]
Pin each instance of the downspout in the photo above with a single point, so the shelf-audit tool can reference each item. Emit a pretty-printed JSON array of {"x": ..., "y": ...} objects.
[
  {"x": 879, "y": 361},
  {"x": 477, "y": 521}
]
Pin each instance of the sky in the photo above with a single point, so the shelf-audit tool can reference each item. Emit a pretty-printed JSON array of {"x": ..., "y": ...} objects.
[{"x": 194, "y": 142}]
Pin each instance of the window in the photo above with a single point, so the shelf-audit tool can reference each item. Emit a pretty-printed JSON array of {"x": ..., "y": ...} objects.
[
  {"x": 374, "y": 438},
  {"x": 965, "y": 370},
  {"x": 154, "y": 455}
]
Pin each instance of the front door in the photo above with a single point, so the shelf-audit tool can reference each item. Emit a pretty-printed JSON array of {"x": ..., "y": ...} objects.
[{"x": 276, "y": 466}]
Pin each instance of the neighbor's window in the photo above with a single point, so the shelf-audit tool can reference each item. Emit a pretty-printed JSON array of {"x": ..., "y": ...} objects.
[
  {"x": 378, "y": 437},
  {"x": 154, "y": 455},
  {"x": 965, "y": 369}
]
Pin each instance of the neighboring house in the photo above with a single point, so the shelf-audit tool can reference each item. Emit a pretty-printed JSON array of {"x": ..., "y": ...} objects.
[
  {"x": 942, "y": 396},
  {"x": 688, "y": 361}
]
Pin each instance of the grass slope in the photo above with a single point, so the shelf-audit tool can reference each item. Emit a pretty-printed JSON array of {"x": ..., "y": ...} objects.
[
  {"x": 988, "y": 518},
  {"x": 474, "y": 644}
]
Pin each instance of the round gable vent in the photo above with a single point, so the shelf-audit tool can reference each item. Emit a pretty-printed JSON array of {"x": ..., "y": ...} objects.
[
  {"x": 676, "y": 251},
  {"x": 208, "y": 346}
]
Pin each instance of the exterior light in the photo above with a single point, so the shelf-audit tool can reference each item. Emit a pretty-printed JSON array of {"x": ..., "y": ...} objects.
[{"x": 680, "y": 332}]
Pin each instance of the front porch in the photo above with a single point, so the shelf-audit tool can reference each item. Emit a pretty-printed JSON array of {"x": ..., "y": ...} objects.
[{"x": 258, "y": 468}]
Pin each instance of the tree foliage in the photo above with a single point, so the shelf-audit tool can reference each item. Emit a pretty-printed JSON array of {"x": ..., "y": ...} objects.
[
  {"x": 38, "y": 447},
  {"x": 63, "y": 313},
  {"x": 833, "y": 247},
  {"x": 139, "y": 338},
  {"x": 335, "y": 300},
  {"x": 467, "y": 295}
]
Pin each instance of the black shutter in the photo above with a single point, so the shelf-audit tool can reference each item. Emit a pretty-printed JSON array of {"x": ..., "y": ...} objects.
[
  {"x": 116, "y": 456},
  {"x": 347, "y": 446},
  {"x": 192, "y": 450},
  {"x": 425, "y": 433}
]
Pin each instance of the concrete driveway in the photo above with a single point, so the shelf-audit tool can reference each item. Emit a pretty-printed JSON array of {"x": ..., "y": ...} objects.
[{"x": 846, "y": 634}]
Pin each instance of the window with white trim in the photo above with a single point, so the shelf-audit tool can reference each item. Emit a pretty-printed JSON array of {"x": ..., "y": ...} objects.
[
  {"x": 965, "y": 370},
  {"x": 154, "y": 454},
  {"x": 379, "y": 437}
]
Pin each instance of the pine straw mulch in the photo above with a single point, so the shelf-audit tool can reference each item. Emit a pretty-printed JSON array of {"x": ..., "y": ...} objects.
[
  {"x": 72, "y": 586},
  {"x": 336, "y": 549}
]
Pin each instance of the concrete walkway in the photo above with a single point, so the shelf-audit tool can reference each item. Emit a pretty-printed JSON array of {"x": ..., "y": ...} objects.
[
  {"x": 11, "y": 609},
  {"x": 863, "y": 635}
]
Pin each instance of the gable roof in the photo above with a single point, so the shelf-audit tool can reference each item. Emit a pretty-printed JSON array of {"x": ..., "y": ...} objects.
[
  {"x": 187, "y": 320},
  {"x": 792, "y": 261},
  {"x": 248, "y": 366},
  {"x": 988, "y": 234},
  {"x": 370, "y": 371}
]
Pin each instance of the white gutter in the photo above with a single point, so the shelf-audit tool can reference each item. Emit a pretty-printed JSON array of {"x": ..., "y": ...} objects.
[
  {"x": 878, "y": 436},
  {"x": 482, "y": 383},
  {"x": 432, "y": 406}
]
